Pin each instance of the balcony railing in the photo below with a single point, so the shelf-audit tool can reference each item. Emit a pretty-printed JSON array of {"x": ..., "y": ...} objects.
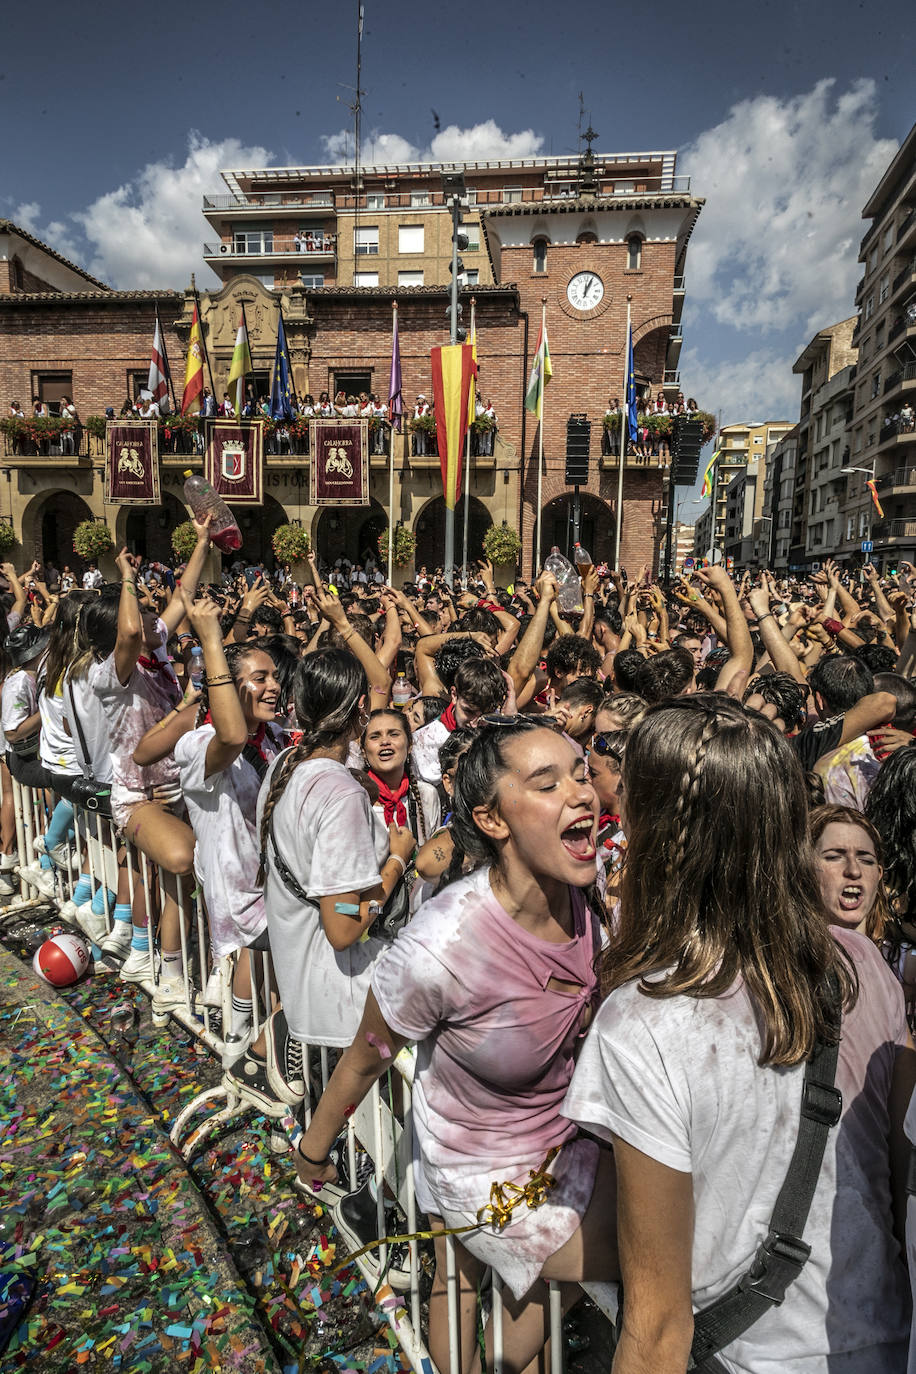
[
  {"x": 907, "y": 224},
  {"x": 680, "y": 283},
  {"x": 309, "y": 246},
  {"x": 896, "y": 328},
  {"x": 273, "y": 200},
  {"x": 901, "y": 479},
  {"x": 432, "y": 198},
  {"x": 892, "y": 531},
  {"x": 671, "y": 380},
  {"x": 908, "y": 271},
  {"x": 905, "y": 374}
]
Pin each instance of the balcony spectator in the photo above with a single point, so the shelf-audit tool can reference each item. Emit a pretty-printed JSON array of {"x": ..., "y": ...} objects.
[
  {"x": 226, "y": 408},
  {"x": 350, "y": 408},
  {"x": 16, "y": 413},
  {"x": 692, "y": 407},
  {"x": 486, "y": 437},
  {"x": 68, "y": 437},
  {"x": 907, "y": 418},
  {"x": 128, "y": 409},
  {"x": 39, "y": 409},
  {"x": 307, "y": 406},
  {"x": 420, "y": 411},
  {"x": 325, "y": 406},
  {"x": 148, "y": 408},
  {"x": 659, "y": 405},
  {"x": 207, "y": 404},
  {"x": 610, "y": 439},
  {"x": 297, "y": 242}
]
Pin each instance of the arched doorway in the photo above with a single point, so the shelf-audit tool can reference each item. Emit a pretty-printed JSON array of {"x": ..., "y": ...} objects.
[
  {"x": 148, "y": 529},
  {"x": 596, "y": 526},
  {"x": 430, "y": 532},
  {"x": 351, "y": 532},
  {"x": 257, "y": 525},
  {"x": 51, "y": 524}
]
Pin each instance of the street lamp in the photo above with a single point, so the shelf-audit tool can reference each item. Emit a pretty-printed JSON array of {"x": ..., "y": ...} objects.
[{"x": 870, "y": 474}]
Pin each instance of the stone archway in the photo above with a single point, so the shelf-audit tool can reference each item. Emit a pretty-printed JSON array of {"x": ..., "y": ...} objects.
[
  {"x": 147, "y": 530},
  {"x": 257, "y": 525},
  {"x": 349, "y": 532},
  {"x": 596, "y": 526},
  {"x": 48, "y": 522},
  {"x": 429, "y": 528}
]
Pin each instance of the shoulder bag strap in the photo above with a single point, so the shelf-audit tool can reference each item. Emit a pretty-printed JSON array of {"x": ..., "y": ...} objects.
[
  {"x": 783, "y": 1254},
  {"x": 284, "y": 872},
  {"x": 87, "y": 757}
]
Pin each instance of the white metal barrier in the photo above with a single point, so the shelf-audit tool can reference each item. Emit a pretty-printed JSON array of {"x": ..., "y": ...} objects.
[{"x": 373, "y": 1127}]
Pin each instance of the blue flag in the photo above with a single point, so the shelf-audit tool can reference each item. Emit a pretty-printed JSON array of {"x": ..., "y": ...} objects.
[
  {"x": 631, "y": 391},
  {"x": 281, "y": 392}
]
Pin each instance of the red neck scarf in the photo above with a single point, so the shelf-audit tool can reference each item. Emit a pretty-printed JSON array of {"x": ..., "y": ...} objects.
[
  {"x": 392, "y": 799},
  {"x": 448, "y": 717},
  {"x": 257, "y": 739}
]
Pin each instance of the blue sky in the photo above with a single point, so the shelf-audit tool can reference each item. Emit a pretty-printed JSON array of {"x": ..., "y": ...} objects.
[{"x": 784, "y": 113}]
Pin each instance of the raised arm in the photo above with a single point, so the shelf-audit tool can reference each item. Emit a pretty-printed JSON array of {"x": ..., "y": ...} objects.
[
  {"x": 737, "y": 634},
  {"x": 226, "y": 714},
  {"x": 525, "y": 659},
  {"x": 130, "y": 626},
  {"x": 331, "y": 610},
  {"x": 781, "y": 654},
  {"x": 20, "y": 596},
  {"x": 175, "y": 612}
]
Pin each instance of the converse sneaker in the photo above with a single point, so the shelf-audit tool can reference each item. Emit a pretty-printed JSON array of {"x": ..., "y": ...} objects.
[
  {"x": 356, "y": 1216},
  {"x": 60, "y": 854},
  {"x": 7, "y": 886},
  {"x": 136, "y": 967},
  {"x": 343, "y": 1184},
  {"x": 117, "y": 941},
  {"x": 96, "y": 927},
  {"x": 171, "y": 993},
  {"x": 284, "y": 1060},
  {"x": 40, "y": 878},
  {"x": 248, "y": 1077}
]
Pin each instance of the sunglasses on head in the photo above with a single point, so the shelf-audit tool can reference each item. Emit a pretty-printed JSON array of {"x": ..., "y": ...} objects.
[
  {"x": 509, "y": 722},
  {"x": 602, "y": 746}
]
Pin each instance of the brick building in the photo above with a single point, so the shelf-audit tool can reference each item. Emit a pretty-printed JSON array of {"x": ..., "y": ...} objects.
[{"x": 63, "y": 332}]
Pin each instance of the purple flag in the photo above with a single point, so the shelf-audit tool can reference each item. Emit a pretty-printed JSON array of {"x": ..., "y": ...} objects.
[{"x": 395, "y": 399}]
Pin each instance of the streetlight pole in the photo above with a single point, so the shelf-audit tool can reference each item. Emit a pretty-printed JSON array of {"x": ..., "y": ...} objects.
[{"x": 870, "y": 475}]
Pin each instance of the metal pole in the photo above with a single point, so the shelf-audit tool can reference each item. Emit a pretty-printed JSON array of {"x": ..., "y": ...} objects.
[
  {"x": 390, "y": 501},
  {"x": 467, "y": 459},
  {"x": 624, "y": 434},
  {"x": 453, "y": 338},
  {"x": 576, "y": 515},
  {"x": 540, "y": 496}
]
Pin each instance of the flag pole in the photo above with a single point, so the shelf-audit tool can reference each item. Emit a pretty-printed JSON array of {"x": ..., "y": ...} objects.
[
  {"x": 540, "y": 489},
  {"x": 467, "y": 471},
  {"x": 203, "y": 341},
  {"x": 165, "y": 359},
  {"x": 394, "y": 312},
  {"x": 624, "y": 431},
  {"x": 240, "y": 393}
]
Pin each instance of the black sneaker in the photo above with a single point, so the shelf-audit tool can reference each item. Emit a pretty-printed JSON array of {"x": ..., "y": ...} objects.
[
  {"x": 330, "y": 1193},
  {"x": 249, "y": 1078},
  {"x": 356, "y": 1216},
  {"x": 285, "y": 1071}
]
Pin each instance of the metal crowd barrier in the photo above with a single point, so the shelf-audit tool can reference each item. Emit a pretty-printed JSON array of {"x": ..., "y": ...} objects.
[{"x": 373, "y": 1127}]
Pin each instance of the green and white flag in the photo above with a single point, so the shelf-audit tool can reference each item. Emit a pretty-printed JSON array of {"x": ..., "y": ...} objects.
[
  {"x": 241, "y": 366},
  {"x": 541, "y": 373}
]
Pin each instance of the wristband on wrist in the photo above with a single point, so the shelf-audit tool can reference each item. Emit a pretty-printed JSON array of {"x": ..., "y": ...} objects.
[{"x": 398, "y": 860}]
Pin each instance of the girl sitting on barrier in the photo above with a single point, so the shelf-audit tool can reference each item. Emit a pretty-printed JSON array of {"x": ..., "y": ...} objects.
[{"x": 495, "y": 980}]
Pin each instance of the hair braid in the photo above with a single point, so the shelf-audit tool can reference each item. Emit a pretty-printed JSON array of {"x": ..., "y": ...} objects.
[
  {"x": 687, "y": 796},
  {"x": 282, "y": 774}
]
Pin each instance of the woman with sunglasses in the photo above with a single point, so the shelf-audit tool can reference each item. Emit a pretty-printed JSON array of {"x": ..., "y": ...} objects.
[{"x": 494, "y": 979}]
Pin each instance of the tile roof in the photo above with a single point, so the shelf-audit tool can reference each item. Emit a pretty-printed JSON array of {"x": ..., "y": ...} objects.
[{"x": 8, "y": 227}]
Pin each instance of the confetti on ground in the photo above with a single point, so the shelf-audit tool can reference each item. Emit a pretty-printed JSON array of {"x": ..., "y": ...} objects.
[{"x": 140, "y": 1263}]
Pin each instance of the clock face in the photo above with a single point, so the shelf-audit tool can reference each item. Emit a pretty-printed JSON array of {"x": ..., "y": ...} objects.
[{"x": 585, "y": 290}]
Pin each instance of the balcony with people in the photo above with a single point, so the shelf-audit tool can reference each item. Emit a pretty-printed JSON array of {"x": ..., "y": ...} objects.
[
  {"x": 316, "y": 244},
  {"x": 655, "y": 421}
]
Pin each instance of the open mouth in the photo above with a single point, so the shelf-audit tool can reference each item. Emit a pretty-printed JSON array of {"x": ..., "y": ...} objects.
[
  {"x": 851, "y": 897},
  {"x": 385, "y": 754},
  {"x": 578, "y": 839}
]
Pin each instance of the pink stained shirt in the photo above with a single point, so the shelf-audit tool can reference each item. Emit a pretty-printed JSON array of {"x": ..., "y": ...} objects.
[{"x": 496, "y": 1044}]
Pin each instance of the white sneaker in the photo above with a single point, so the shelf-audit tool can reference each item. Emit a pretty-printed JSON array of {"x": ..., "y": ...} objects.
[
  {"x": 95, "y": 927},
  {"x": 40, "y": 878},
  {"x": 213, "y": 992},
  {"x": 170, "y": 993},
  {"x": 59, "y": 854},
  {"x": 7, "y": 887},
  {"x": 8, "y": 861},
  {"x": 117, "y": 941},
  {"x": 137, "y": 967}
]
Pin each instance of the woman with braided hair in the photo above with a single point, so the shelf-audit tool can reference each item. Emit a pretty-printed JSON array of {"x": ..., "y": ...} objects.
[
  {"x": 386, "y": 744},
  {"x": 723, "y": 977},
  {"x": 495, "y": 979}
]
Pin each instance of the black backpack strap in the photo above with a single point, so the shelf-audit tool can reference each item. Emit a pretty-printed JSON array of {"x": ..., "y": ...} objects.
[
  {"x": 284, "y": 872},
  {"x": 79, "y": 730},
  {"x": 783, "y": 1254}
]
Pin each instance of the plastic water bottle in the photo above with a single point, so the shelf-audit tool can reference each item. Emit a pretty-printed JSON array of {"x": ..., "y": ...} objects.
[
  {"x": 400, "y": 692},
  {"x": 196, "y": 669},
  {"x": 569, "y": 593},
  {"x": 203, "y": 500},
  {"x": 582, "y": 560}
]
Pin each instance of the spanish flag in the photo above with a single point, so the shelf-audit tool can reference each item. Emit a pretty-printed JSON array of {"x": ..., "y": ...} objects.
[
  {"x": 194, "y": 370},
  {"x": 874, "y": 496},
  {"x": 453, "y": 367}
]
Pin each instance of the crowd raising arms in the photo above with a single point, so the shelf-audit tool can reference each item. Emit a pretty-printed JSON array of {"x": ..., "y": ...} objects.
[{"x": 616, "y": 875}]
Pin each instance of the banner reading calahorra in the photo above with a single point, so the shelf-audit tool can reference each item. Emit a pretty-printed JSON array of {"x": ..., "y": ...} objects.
[
  {"x": 339, "y": 463},
  {"x": 132, "y": 463},
  {"x": 234, "y": 460}
]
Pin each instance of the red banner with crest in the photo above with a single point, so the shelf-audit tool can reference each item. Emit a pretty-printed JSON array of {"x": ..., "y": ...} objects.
[
  {"x": 234, "y": 460},
  {"x": 132, "y": 463},
  {"x": 339, "y": 463}
]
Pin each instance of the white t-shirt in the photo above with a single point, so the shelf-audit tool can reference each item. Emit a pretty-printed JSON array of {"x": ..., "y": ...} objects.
[
  {"x": 19, "y": 700},
  {"x": 221, "y": 809},
  {"x": 94, "y": 724},
  {"x": 131, "y": 709},
  {"x": 678, "y": 1079},
  {"x": 427, "y": 742},
  {"x": 324, "y": 833},
  {"x": 55, "y": 747}
]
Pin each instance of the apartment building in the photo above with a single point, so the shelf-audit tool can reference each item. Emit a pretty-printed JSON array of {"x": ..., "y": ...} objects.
[
  {"x": 773, "y": 527},
  {"x": 882, "y": 433},
  {"x": 738, "y": 445}
]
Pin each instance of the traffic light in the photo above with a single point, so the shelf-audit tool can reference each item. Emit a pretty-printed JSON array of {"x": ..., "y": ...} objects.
[{"x": 578, "y": 441}]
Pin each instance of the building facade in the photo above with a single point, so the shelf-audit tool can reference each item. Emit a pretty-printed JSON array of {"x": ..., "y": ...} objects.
[
  {"x": 827, "y": 367},
  {"x": 539, "y": 228},
  {"x": 741, "y": 446}
]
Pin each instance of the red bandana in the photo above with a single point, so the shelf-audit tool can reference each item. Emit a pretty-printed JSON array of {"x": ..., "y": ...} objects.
[
  {"x": 392, "y": 800},
  {"x": 448, "y": 717}
]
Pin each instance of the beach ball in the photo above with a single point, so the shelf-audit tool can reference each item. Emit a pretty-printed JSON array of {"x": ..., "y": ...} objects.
[{"x": 61, "y": 960}]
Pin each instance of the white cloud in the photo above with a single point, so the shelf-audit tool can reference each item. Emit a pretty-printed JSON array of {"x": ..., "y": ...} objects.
[
  {"x": 785, "y": 182},
  {"x": 452, "y": 144},
  {"x": 55, "y": 234},
  {"x": 752, "y": 386}
]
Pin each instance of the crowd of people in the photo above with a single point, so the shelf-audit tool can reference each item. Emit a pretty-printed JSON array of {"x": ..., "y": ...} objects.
[
  {"x": 652, "y": 440},
  {"x": 622, "y": 875}
]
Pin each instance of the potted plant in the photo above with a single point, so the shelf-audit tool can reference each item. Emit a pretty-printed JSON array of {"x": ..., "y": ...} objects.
[
  {"x": 92, "y": 539},
  {"x": 405, "y": 546},
  {"x": 290, "y": 544},
  {"x": 184, "y": 540},
  {"x": 502, "y": 545},
  {"x": 7, "y": 537},
  {"x": 426, "y": 423}
]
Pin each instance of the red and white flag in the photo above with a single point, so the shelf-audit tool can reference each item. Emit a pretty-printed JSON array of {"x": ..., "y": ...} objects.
[{"x": 159, "y": 378}]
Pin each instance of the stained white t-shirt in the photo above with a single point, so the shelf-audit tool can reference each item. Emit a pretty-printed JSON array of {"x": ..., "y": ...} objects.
[
  {"x": 131, "y": 709},
  {"x": 324, "y": 833},
  {"x": 56, "y": 749},
  {"x": 427, "y": 742},
  {"x": 221, "y": 809},
  {"x": 81, "y": 703},
  {"x": 678, "y": 1079},
  {"x": 18, "y": 700}
]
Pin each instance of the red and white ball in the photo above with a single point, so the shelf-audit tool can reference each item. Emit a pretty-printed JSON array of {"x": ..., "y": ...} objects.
[{"x": 61, "y": 960}]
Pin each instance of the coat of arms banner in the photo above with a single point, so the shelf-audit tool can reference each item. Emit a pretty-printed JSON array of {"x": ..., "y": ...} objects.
[
  {"x": 339, "y": 463},
  {"x": 132, "y": 463},
  {"x": 234, "y": 460}
]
